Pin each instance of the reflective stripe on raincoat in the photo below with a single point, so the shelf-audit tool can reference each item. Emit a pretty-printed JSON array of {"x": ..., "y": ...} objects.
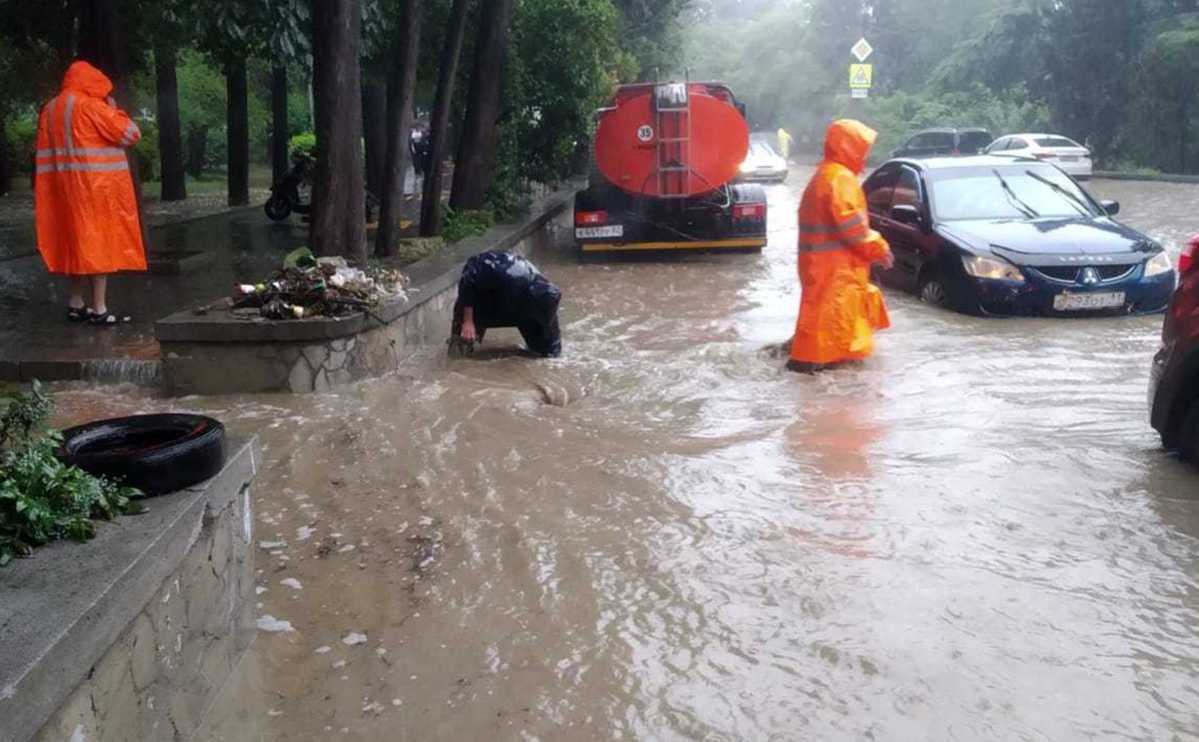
[
  {"x": 87, "y": 219},
  {"x": 840, "y": 307}
]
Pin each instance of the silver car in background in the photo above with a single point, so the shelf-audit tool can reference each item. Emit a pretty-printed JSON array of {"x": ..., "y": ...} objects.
[
  {"x": 1064, "y": 152},
  {"x": 763, "y": 165}
]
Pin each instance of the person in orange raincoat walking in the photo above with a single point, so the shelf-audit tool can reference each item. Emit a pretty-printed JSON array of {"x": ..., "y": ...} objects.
[
  {"x": 840, "y": 308},
  {"x": 87, "y": 219}
]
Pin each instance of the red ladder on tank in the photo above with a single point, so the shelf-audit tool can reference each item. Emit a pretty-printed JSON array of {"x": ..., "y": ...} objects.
[{"x": 672, "y": 103}]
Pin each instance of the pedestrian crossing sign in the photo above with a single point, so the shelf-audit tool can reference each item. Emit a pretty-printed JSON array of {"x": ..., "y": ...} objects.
[{"x": 861, "y": 76}]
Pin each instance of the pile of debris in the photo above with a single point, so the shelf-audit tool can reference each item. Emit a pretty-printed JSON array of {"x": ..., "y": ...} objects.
[{"x": 319, "y": 287}]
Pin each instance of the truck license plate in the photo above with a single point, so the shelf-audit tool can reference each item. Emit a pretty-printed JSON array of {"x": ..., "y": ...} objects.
[
  {"x": 1068, "y": 302},
  {"x": 591, "y": 233}
]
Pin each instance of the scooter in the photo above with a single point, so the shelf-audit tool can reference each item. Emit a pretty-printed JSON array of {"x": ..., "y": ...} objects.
[
  {"x": 293, "y": 192},
  {"x": 285, "y": 193}
]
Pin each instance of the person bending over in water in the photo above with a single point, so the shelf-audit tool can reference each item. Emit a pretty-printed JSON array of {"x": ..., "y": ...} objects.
[{"x": 502, "y": 289}]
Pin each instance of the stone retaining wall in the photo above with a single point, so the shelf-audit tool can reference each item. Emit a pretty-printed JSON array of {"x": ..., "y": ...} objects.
[
  {"x": 219, "y": 353},
  {"x": 119, "y": 651}
]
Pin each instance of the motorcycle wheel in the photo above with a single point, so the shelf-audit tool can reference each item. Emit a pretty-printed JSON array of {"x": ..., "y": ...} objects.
[{"x": 277, "y": 208}]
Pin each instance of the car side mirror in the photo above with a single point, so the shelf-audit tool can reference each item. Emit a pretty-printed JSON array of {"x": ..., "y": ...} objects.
[
  {"x": 907, "y": 214},
  {"x": 1111, "y": 208}
]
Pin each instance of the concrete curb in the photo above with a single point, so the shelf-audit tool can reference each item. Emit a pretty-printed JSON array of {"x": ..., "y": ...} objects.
[
  {"x": 1147, "y": 177},
  {"x": 62, "y": 609}
]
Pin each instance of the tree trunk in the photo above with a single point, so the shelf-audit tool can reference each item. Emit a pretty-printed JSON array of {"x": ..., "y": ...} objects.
[
  {"x": 237, "y": 132},
  {"x": 5, "y": 169},
  {"x": 430, "y": 210},
  {"x": 280, "y": 129},
  {"x": 339, "y": 199},
  {"x": 475, "y": 163},
  {"x": 170, "y": 134},
  {"x": 401, "y": 90},
  {"x": 197, "y": 150},
  {"x": 374, "y": 119}
]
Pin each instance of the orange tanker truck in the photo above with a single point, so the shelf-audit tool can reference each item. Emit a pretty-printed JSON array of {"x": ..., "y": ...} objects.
[{"x": 666, "y": 156}]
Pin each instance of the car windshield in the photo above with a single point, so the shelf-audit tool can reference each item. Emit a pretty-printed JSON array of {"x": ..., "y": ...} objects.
[
  {"x": 761, "y": 151},
  {"x": 1007, "y": 192}
]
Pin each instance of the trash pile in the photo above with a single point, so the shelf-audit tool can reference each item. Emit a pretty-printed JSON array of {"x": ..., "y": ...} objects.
[{"x": 308, "y": 286}]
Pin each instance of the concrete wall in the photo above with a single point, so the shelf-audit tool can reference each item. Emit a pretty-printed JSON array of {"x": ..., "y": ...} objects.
[
  {"x": 219, "y": 353},
  {"x": 205, "y": 368},
  {"x": 177, "y": 638}
]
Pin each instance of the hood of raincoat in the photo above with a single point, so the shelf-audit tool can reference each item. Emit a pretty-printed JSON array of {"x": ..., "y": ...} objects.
[
  {"x": 86, "y": 79},
  {"x": 848, "y": 143}
]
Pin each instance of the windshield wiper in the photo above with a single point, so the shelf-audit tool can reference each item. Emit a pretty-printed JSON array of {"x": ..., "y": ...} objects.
[
  {"x": 1028, "y": 211},
  {"x": 1074, "y": 199}
]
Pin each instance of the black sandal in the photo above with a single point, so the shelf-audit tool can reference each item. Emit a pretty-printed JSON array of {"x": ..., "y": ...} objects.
[
  {"x": 77, "y": 314},
  {"x": 107, "y": 319}
]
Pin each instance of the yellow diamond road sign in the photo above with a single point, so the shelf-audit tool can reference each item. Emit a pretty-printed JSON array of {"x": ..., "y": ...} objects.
[{"x": 861, "y": 76}]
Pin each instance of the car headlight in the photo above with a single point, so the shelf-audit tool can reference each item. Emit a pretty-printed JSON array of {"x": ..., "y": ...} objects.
[
  {"x": 746, "y": 167},
  {"x": 1158, "y": 265},
  {"x": 991, "y": 269}
]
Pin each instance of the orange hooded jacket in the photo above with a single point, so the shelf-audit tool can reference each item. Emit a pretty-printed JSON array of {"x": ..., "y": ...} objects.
[
  {"x": 87, "y": 219},
  {"x": 840, "y": 308}
]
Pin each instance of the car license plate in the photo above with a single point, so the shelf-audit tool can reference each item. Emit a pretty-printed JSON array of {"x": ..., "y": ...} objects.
[
  {"x": 591, "y": 233},
  {"x": 1069, "y": 159},
  {"x": 1068, "y": 302}
]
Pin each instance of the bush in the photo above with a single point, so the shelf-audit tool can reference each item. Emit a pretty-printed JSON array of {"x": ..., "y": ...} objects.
[
  {"x": 145, "y": 152},
  {"x": 304, "y": 141},
  {"x": 459, "y": 225},
  {"x": 898, "y": 116},
  {"x": 22, "y": 140},
  {"x": 41, "y": 498}
]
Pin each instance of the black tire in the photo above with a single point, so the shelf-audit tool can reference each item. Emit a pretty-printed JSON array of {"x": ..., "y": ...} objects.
[
  {"x": 277, "y": 208},
  {"x": 1188, "y": 441},
  {"x": 157, "y": 454}
]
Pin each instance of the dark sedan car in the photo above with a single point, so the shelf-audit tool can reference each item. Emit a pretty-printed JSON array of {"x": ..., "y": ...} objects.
[
  {"x": 945, "y": 143},
  {"x": 1174, "y": 390},
  {"x": 993, "y": 235}
]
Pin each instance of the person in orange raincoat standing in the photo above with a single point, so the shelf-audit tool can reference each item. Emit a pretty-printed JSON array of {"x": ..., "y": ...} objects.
[
  {"x": 87, "y": 218},
  {"x": 840, "y": 308}
]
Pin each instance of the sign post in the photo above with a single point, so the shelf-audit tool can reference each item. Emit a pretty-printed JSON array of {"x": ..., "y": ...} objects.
[{"x": 861, "y": 75}]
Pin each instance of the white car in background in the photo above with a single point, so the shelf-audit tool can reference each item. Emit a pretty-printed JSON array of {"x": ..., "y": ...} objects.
[
  {"x": 1066, "y": 153},
  {"x": 763, "y": 165}
]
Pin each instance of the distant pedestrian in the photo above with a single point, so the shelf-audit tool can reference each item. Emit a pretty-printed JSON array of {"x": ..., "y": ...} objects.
[
  {"x": 840, "y": 308},
  {"x": 87, "y": 218},
  {"x": 786, "y": 143},
  {"x": 502, "y": 289}
]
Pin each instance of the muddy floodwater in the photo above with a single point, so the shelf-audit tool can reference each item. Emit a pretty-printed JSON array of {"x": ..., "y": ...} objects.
[{"x": 663, "y": 536}]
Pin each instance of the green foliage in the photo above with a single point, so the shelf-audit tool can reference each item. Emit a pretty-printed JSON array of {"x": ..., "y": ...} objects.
[
  {"x": 41, "y": 498},
  {"x": 302, "y": 142},
  {"x": 563, "y": 60},
  {"x": 1166, "y": 90},
  {"x": 146, "y": 152},
  {"x": 1102, "y": 71},
  {"x": 459, "y": 225},
  {"x": 22, "y": 141},
  {"x": 898, "y": 116}
]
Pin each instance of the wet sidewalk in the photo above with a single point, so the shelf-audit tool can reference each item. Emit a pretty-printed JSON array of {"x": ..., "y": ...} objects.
[{"x": 192, "y": 262}]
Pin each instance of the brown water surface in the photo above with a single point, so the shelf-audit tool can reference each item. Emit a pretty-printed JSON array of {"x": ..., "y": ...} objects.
[{"x": 663, "y": 536}]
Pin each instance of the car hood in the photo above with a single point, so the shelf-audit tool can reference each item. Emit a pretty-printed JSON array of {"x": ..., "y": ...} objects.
[{"x": 1051, "y": 240}]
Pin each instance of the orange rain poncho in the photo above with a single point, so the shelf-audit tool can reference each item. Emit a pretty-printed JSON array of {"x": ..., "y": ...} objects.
[
  {"x": 87, "y": 220},
  {"x": 840, "y": 308}
]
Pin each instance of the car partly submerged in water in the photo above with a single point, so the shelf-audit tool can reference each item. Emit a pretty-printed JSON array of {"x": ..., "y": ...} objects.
[{"x": 1003, "y": 236}]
